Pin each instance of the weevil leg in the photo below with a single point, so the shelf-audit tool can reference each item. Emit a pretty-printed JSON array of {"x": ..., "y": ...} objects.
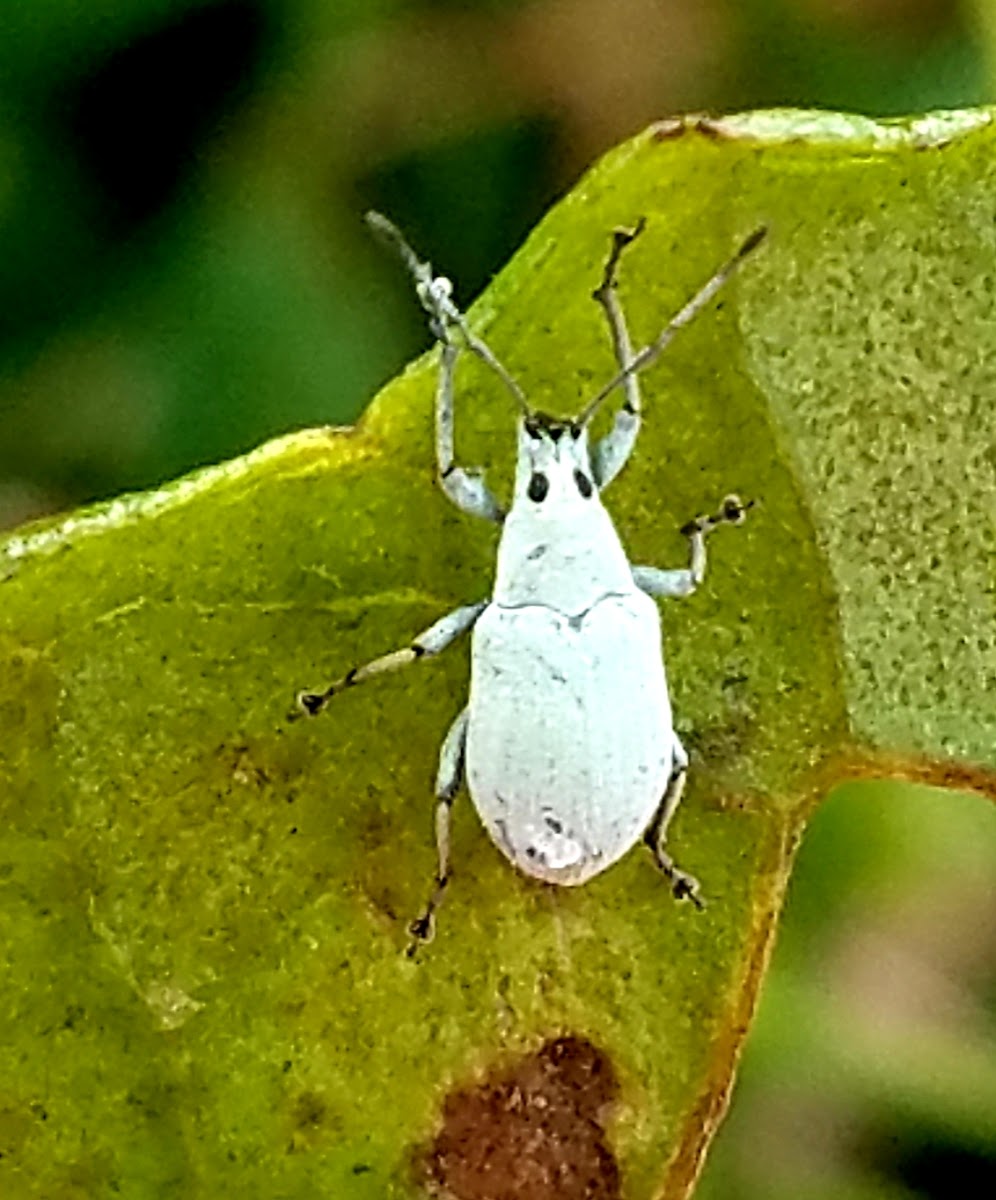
[
  {"x": 609, "y": 455},
  {"x": 465, "y": 487},
  {"x": 683, "y": 885},
  {"x": 670, "y": 584},
  {"x": 448, "y": 779},
  {"x": 430, "y": 642},
  {"x": 664, "y": 584}
]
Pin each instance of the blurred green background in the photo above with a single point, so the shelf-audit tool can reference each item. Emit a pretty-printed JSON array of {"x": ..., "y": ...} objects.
[{"x": 184, "y": 274}]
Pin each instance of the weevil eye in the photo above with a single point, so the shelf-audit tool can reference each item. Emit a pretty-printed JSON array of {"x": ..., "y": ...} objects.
[
  {"x": 575, "y": 431},
  {"x": 532, "y": 429},
  {"x": 583, "y": 482},
  {"x": 539, "y": 485}
]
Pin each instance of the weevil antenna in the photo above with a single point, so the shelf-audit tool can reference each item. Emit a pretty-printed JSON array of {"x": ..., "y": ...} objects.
[
  {"x": 651, "y": 352},
  {"x": 434, "y": 294}
]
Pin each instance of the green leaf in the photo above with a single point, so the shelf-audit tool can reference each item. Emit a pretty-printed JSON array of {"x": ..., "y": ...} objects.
[{"x": 205, "y": 907}]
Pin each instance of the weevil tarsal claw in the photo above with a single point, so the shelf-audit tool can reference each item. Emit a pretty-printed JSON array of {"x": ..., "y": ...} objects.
[
  {"x": 422, "y": 931},
  {"x": 686, "y": 887},
  {"x": 733, "y": 511}
]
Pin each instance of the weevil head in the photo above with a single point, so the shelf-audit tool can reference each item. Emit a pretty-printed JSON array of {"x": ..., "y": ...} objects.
[
  {"x": 558, "y": 546},
  {"x": 553, "y": 469}
]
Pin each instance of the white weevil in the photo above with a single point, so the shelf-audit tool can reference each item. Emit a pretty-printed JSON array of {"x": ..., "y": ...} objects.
[{"x": 567, "y": 740}]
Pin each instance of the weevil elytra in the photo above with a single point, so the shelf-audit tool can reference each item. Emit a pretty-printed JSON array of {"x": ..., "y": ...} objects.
[{"x": 567, "y": 741}]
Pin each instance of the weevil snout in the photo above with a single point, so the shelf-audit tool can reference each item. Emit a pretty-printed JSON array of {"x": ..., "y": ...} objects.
[
  {"x": 554, "y": 465},
  {"x": 540, "y": 425}
]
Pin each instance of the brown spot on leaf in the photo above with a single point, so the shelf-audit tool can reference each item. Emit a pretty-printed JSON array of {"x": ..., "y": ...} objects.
[
  {"x": 530, "y": 1131},
  {"x": 675, "y": 127},
  {"x": 712, "y": 129},
  {"x": 669, "y": 128}
]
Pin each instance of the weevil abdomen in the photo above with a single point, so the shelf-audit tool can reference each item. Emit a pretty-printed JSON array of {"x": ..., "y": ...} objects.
[{"x": 569, "y": 742}]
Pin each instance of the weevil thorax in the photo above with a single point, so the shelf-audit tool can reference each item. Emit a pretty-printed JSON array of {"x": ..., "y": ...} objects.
[{"x": 558, "y": 547}]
